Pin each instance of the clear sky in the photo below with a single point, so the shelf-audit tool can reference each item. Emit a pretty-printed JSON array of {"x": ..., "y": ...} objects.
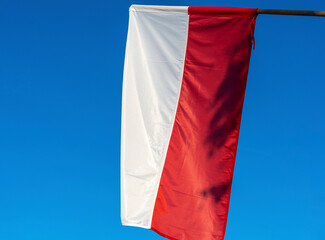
[{"x": 61, "y": 69}]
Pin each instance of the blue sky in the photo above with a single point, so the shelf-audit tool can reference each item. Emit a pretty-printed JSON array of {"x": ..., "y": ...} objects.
[{"x": 61, "y": 67}]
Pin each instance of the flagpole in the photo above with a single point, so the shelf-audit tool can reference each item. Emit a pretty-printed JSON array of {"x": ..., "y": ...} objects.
[{"x": 291, "y": 12}]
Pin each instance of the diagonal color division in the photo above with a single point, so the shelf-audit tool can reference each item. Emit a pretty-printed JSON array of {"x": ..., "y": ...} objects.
[{"x": 183, "y": 91}]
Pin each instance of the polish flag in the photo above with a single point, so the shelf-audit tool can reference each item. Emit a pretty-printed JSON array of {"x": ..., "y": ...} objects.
[{"x": 183, "y": 90}]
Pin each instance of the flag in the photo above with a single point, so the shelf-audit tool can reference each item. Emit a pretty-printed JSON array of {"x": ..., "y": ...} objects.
[{"x": 184, "y": 83}]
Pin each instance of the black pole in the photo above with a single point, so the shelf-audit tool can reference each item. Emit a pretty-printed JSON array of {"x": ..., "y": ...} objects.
[{"x": 291, "y": 12}]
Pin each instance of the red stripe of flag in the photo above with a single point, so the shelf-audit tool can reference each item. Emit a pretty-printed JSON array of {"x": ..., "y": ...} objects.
[{"x": 194, "y": 191}]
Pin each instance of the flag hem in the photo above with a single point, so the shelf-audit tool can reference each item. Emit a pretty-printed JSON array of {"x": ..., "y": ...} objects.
[
  {"x": 134, "y": 224},
  {"x": 159, "y": 8}
]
